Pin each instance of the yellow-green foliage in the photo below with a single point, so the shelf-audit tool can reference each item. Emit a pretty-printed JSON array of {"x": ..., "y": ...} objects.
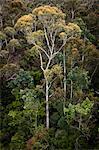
[
  {"x": 32, "y": 52},
  {"x": 50, "y": 17},
  {"x": 56, "y": 70},
  {"x": 48, "y": 10},
  {"x": 48, "y": 74},
  {"x": 62, "y": 35},
  {"x": 9, "y": 31},
  {"x": 14, "y": 43},
  {"x": 2, "y": 36},
  {"x": 4, "y": 53},
  {"x": 71, "y": 29},
  {"x": 24, "y": 22},
  {"x": 35, "y": 37},
  {"x": 76, "y": 29}
]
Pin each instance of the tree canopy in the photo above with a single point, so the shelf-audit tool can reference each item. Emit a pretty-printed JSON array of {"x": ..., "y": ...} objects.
[{"x": 49, "y": 75}]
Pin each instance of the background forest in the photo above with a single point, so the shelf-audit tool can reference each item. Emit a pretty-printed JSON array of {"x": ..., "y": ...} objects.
[{"x": 49, "y": 63}]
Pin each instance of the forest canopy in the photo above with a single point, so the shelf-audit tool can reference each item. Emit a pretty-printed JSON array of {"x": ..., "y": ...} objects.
[{"x": 49, "y": 63}]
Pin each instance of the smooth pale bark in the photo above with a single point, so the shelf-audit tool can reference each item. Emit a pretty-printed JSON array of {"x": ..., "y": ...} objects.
[
  {"x": 72, "y": 14},
  {"x": 13, "y": 36},
  {"x": 47, "y": 105},
  {"x": 50, "y": 55},
  {"x": 50, "y": 58}
]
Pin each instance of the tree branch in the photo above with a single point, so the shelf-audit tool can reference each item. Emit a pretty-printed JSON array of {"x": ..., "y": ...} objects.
[
  {"x": 59, "y": 49},
  {"x": 47, "y": 40},
  {"x": 48, "y": 62},
  {"x": 41, "y": 60},
  {"x": 53, "y": 39},
  {"x": 52, "y": 82},
  {"x": 13, "y": 77},
  {"x": 42, "y": 49},
  {"x": 94, "y": 72}
]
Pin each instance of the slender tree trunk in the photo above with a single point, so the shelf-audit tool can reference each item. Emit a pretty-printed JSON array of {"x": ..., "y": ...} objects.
[
  {"x": 47, "y": 105},
  {"x": 71, "y": 91},
  {"x": 1, "y": 22},
  {"x": 72, "y": 14},
  {"x": 6, "y": 42},
  {"x": 13, "y": 22},
  {"x": 64, "y": 64},
  {"x": 13, "y": 36}
]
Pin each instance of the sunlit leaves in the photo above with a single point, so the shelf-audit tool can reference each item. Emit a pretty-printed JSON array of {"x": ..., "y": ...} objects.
[
  {"x": 70, "y": 112},
  {"x": 12, "y": 113},
  {"x": 56, "y": 70},
  {"x": 33, "y": 52},
  {"x": 24, "y": 23},
  {"x": 83, "y": 109},
  {"x": 2, "y": 36},
  {"x": 9, "y": 31},
  {"x": 30, "y": 99},
  {"x": 70, "y": 30},
  {"x": 35, "y": 37},
  {"x": 47, "y": 11},
  {"x": 4, "y": 54},
  {"x": 75, "y": 28},
  {"x": 14, "y": 43}
]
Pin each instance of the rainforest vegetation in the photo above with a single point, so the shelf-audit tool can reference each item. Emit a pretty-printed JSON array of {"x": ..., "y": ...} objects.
[{"x": 49, "y": 72}]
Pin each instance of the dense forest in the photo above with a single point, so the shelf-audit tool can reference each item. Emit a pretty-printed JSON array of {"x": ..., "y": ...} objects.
[{"x": 49, "y": 64}]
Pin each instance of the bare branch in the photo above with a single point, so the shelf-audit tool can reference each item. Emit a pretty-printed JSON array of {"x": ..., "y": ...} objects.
[
  {"x": 41, "y": 49},
  {"x": 49, "y": 61},
  {"x": 94, "y": 72},
  {"x": 52, "y": 82},
  {"x": 13, "y": 77},
  {"x": 59, "y": 49},
  {"x": 41, "y": 60},
  {"x": 51, "y": 95},
  {"x": 47, "y": 40},
  {"x": 53, "y": 39}
]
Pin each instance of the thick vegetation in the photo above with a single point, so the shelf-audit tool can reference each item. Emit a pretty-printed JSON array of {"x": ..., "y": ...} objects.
[{"x": 49, "y": 75}]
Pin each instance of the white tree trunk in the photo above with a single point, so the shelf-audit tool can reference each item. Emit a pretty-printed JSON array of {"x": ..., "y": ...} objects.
[
  {"x": 72, "y": 14},
  {"x": 47, "y": 105}
]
